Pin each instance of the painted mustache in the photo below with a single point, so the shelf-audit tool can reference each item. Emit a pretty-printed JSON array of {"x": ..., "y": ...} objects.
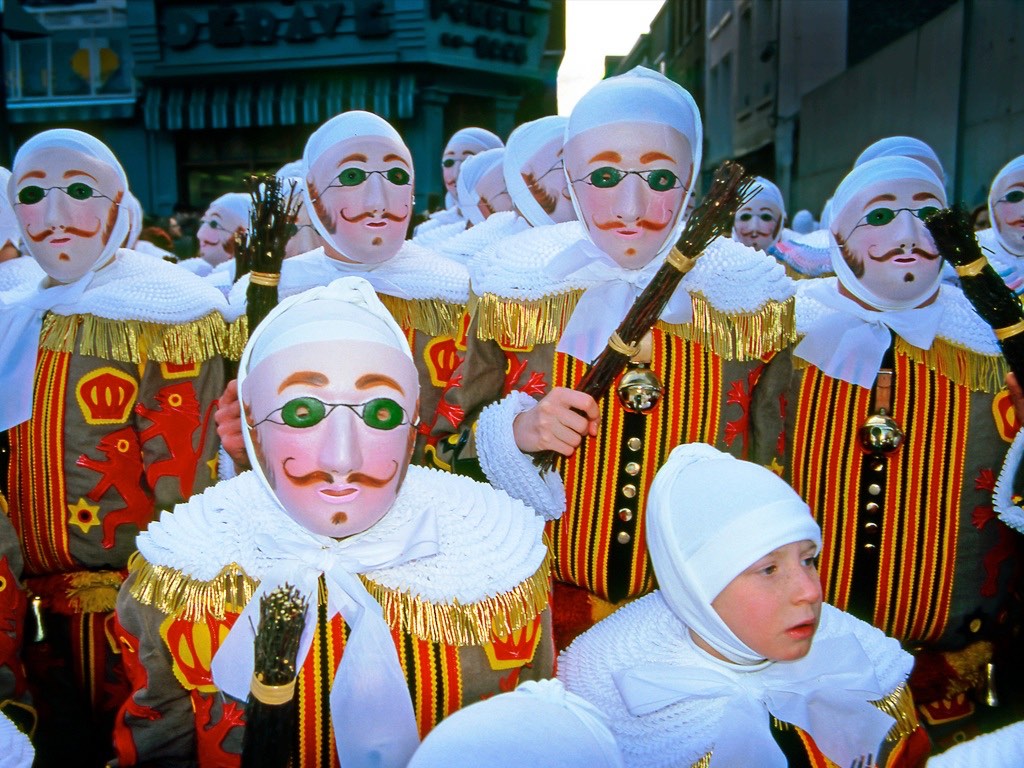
[
  {"x": 387, "y": 215},
  {"x": 903, "y": 252},
  {"x": 353, "y": 478},
  {"x": 1015, "y": 223},
  {"x": 67, "y": 230},
  {"x": 651, "y": 226}
]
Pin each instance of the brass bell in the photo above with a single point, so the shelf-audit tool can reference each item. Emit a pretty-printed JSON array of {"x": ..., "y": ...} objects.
[
  {"x": 880, "y": 434},
  {"x": 639, "y": 389}
]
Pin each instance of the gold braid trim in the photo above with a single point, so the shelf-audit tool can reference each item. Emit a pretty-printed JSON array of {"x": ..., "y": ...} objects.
[
  {"x": 94, "y": 592},
  {"x": 899, "y": 705},
  {"x": 704, "y": 762},
  {"x": 433, "y": 317},
  {"x": 974, "y": 370},
  {"x": 172, "y": 592},
  {"x": 462, "y": 625},
  {"x": 739, "y": 336},
  {"x": 136, "y": 341},
  {"x": 236, "y": 337},
  {"x": 520, "y": 323}
]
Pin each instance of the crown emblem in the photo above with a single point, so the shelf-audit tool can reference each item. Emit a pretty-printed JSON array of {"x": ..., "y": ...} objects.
[
  {"x": 442, "y": 357},
  {"x": 516, "y": 648},
  {"x": 106, "y": 396},
  {"x": 193, "y": 644}
]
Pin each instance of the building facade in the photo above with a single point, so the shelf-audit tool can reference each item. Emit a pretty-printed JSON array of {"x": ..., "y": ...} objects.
[{"x": 192, "y": 96}]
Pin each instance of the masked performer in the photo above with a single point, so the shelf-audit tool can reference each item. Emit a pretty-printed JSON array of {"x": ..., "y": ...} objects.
[
  {"x": 110, "y": 372},
  {"x": 427, "y": 591},
  {"x": 548, "y": 309},
  {"x": 358, "y": 192},
  {"x": 897, "y": 422}
]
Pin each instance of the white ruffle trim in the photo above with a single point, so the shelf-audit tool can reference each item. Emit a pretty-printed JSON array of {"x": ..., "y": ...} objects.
[
  {"x": 470, "y": 242},
  {"x": 961, "y": 325},
  {"x": 489, "y": 542},
  {"x": 680, "y": 734},
  {"x": 508, "y": 468},
  {"x": 418, "y": 272},
  {"x": 1000, "y": 749},
  {"x": 516, "y": 267},
  {"x": 16, "y": 751},
  {"x": 19, "y": 273},
  {"x": 430, "y": 233},
  {"x": 1002, "y": 498},
  {"x": 139, "y": 287},
  {"x": 737, "y": 279}
]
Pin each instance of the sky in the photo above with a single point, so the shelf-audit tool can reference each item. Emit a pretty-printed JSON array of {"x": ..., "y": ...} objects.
[{"x": 595, "y": 29}]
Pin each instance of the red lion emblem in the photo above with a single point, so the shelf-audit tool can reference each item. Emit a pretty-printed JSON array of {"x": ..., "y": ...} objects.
[
  {"x": 121, "y": 470},
  {"x": 176, "y": 421}
]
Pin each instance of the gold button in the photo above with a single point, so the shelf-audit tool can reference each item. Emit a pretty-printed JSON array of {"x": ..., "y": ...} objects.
[
  {"x": 869, "y": 546},
  {"x": 874, "y": 489},
  {"x": 871, "y": 507},
  {"x": 629, "y": 491},
  {"x": 871, "y": 527},
  {"x": 634, "y": 443},
  {"x": 633, "y": 468},
  {"x": 975, "y": 625},
  {"x": 879, "y": 466},
  {"x": 625, "y": 514},
  {"x": 623, "y": 537}
]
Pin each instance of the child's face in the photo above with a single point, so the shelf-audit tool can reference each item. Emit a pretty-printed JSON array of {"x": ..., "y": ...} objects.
[{"x": 774, "y": 605}]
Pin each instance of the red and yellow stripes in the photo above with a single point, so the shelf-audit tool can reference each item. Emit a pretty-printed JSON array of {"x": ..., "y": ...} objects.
[
  {"x": 920, "y": 504},
  {"x": 38, "y": 499},
  {"x": 691, "y": 413},
  {"x": 316, "y": 738},
  {"x": 434, "y": 675}
]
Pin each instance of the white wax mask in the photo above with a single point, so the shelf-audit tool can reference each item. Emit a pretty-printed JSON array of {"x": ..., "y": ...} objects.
[
  {"x": 67, "y": 203},
  {"x": 494, "y": 197},
  {"x": 332, "y": 425},
  {"x": 221, "y": 223},
  {"x": 1007, "y": 206},
  {"x": 629, "y": 181},
  {"x": 361, "y": 190},
  {"x": 758, "y": 224},
  {"x": 546, "y": 182},
  {"x": 883, "y": 239}
]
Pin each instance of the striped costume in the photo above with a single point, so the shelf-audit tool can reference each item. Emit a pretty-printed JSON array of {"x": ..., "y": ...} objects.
[
  {"x": 910, "y": 539},
  {"x": 468, "y": 622},
  {"x": 708, "y": 368}
]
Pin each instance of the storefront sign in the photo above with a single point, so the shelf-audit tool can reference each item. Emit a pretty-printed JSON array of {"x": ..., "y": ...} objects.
[
  {"x": 494, "y": 17},
  {"x": 238, "y": 25}
]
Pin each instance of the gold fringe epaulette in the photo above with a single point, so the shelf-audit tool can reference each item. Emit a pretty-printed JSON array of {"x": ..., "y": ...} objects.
[
  {"x": 237, "y": 336},
  {"x": 470, "y": 624},
  {"x": 966, "y": 367},
  {"x": 433, "y": 317},
  {"x": 172, "y": 592},
  {"x": 520, "y": 324},
  {"x": 137, "y": 341},
  {"x": 900, "y": 706},
  {"x": 746, "y": 336}
]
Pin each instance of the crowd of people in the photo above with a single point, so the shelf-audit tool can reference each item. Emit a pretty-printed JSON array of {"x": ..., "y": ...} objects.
[{"x": 789, "y": 535}]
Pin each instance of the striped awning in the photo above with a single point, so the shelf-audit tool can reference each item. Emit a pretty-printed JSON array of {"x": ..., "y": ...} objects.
[{"x": 242, "y": 105}]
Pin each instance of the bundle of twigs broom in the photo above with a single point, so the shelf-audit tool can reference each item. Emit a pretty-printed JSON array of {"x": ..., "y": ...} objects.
[
  {"x": 270, "y": 713},
  {"x": 260, "y": 251},
  {"x": 991, "y": 297},
  {"x": 714, "y": 216}
]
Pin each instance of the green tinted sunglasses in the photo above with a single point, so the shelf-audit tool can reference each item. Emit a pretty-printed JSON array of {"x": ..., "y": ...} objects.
[{"x": 304, "y": 412}]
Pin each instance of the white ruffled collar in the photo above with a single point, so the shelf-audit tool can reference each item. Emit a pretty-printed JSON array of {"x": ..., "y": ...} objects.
[
  {"x": 960, "y": 326},
  {"x": 489, "y": 542},
  {"x": 414, "y": 273},
  {"x": 680, "y": 734},
  {"x": 496, "y": 227},
  {"x": 135, "y": 286}
]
